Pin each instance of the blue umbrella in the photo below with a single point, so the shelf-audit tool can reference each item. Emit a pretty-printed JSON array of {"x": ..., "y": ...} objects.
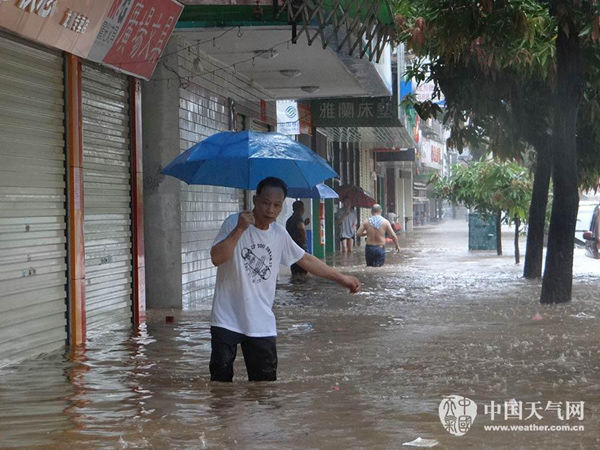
[
  {"x": 319, "y": 191},
  {"x": 242, "y": 159}
]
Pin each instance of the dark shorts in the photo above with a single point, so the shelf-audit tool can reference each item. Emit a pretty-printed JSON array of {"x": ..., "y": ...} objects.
[
  {"x": 375, "y": 255},
  {"x": 260, "y": 355}
]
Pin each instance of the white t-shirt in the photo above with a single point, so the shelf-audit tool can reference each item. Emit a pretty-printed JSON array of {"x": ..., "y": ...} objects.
[{"x": 245, "y": 288}]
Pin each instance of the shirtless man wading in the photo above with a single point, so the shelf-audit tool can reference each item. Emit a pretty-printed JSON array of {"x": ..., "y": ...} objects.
[{"x": 375, "y": 229}]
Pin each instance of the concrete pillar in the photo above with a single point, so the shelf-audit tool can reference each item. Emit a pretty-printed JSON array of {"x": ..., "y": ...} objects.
[
  {"x": 402, "y": 201},
  {"x": 162, "y": 210},
  {"x": 408, "y": 200},
  {"x": 399, "y": 195}
]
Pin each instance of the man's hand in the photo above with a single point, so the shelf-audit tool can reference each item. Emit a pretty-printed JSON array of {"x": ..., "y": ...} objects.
[
  {"x": 352, "y": 283},
  {"x": 307, "y": 221},
  {"x": 317, "y": 267},
  {"x": 245, "y": 219}
]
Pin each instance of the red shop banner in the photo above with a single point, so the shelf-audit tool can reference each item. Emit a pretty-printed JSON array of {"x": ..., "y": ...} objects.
[
  {"x": 129, "y": 35},
  {"x": 134, "y": 34}
]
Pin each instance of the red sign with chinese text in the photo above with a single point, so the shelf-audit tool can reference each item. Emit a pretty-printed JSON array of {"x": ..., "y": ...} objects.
[
  {"x": 436, "y": 154},
  {"x": 134, "y": 34},
  {"x": 305, "y": 118}
]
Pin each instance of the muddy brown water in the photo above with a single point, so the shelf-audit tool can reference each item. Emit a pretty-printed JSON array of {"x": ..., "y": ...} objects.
[{"x": 355, "y": 371}]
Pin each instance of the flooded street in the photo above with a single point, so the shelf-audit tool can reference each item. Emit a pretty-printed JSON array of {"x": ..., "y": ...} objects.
[{"x": 361, "y": 371}]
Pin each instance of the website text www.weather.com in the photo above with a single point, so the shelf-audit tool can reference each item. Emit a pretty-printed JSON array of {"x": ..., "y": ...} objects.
[{"x": 534, "y": 427}]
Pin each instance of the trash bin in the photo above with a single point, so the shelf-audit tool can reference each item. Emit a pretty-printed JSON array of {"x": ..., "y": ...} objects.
[{"x": 482, "y": 234}]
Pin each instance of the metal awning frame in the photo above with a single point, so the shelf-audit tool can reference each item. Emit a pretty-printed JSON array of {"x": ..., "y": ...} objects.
[
  {"x": 313, "y": 17},
  {"x": 379, "y": 136}
]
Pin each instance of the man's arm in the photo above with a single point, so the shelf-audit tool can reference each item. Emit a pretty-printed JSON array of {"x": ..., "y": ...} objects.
[
  {"x": 221, "y": 252},
  {"x": 317, "y": 267},
  {"x": 362, "y": 230},
  {"x": 392, "y": 233}
]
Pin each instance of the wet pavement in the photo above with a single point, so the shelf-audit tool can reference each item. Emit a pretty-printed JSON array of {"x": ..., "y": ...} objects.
[{"x": 355, "y": 371}]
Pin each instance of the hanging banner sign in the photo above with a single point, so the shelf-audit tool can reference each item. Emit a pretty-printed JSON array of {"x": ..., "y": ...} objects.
[
  {"x": 69, "y": 25},
  {"x": 383, "y": 155},
  {"x": 128, "y": 35},
  {"x": 134, "y": 33},
  {"x": 431, "y": 153},
  {"x": 356, "y": 112},
  {"x": 305, "y": 118},
  {"x": 288, "y": 120}
]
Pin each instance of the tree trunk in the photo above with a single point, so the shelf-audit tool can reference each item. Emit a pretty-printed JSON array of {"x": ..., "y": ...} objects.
[
  {"x": 499, "y": 233},
  {"x": 558, "y": 274},
  {"x": 537, "y": 214},
  {"x": 517, "y": 229}
]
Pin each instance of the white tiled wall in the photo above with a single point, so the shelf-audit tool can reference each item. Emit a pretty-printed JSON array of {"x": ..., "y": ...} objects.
[{"x": 203, "y": 111}]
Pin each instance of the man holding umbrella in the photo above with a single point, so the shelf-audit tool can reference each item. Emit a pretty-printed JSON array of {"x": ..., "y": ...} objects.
[{"x": 248, "y": 251}]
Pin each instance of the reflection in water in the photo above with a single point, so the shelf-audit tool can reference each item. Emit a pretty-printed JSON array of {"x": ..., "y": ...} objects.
[{"x": 367, "y": 370}]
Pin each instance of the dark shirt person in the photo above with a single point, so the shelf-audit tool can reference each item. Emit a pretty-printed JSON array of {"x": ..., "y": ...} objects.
[
  {"x": 248, "y": 251},
  {"x": 296, "y": 227}
]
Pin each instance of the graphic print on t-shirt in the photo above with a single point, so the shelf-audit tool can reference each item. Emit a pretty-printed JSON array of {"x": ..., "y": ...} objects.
[{"x": 258, "y": 261}]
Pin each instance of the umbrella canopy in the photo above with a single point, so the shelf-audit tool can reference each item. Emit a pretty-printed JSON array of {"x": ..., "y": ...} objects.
[
  {"x": 356, "y": 195},
  {"x": 242, "y": 159},
  {"x": 319, "y": 191}
]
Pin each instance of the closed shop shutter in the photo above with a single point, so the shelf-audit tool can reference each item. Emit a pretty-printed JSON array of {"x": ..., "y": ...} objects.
[
  {"x": 33, "y": 272},
  {"x": 107, "y": 198}
]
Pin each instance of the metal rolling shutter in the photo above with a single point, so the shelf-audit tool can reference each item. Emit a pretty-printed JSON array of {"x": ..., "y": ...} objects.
[
  {"x": 107, "y": 198},
  {"x": 32, "y": 201}
]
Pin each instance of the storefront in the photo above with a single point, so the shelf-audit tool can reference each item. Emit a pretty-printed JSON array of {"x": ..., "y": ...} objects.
[
  {"x": 71, "y": 218},
  {"x": 107, "y": 197},
  {"x": 33, "y": 245}
]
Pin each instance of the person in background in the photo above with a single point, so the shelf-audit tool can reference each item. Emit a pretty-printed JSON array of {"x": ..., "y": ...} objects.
[
  {"x": 248, "y": 251},
  {"x": 347, "y": 220},
  {"x": 296, "y": 227},
  {"x": 375, "y": 229}
]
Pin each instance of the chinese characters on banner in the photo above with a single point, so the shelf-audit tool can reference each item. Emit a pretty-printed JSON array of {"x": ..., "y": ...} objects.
[
  {"x": 129, "y": 35},
  {"x": 134, "y": 34},
  {"x": 356, "y": 112},
  {"x": 69, "y": 25}
]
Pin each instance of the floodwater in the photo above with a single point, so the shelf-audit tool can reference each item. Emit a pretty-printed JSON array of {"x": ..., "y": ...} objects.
[{"x": 355, "y": 371}]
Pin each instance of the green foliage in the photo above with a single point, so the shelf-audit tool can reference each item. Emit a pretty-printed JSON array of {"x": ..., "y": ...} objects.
[
  {"x": 488, "y": 187},
  {"x": 495, "y": 62}
]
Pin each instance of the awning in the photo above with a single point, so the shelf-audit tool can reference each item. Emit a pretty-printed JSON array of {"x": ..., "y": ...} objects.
[
  {"x": 373, "y": 120},
  {"x": 377, "y": 136},
  {"x": 363, "y": 27}
]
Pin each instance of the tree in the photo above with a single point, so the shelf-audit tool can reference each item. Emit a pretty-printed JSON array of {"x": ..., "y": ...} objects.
[
  {"x": 521, "y": 37},
  {"x": 491, "y": 188}
]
